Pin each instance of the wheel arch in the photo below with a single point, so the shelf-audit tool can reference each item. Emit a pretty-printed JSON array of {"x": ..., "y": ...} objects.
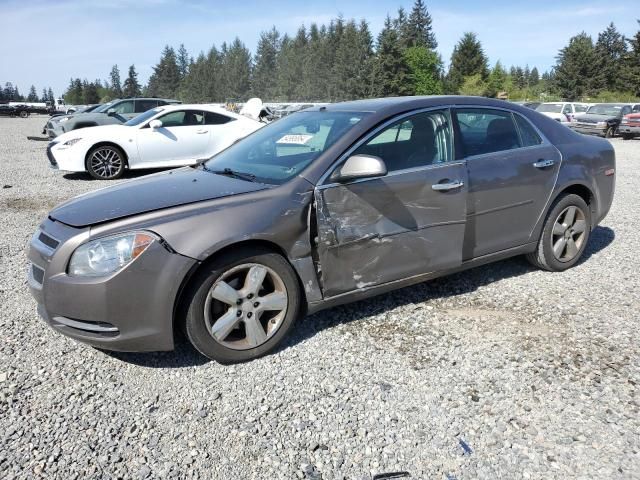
[{"x": 263, "y": 246}]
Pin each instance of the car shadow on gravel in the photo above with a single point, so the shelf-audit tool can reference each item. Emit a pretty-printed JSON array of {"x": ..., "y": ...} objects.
[
  {"x": 128, "y": 175},
  {"x": 449, "y": 286},
  {"x": 468, "y": 281}
]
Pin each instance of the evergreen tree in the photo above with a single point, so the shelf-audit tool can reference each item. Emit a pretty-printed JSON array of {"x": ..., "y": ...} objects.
[
  {"x": 183, "y": 61},
  {"x": 390, "y": 71},
  {"x": 497, "y": 80},
  {"x": 519, "y": 79},
  {"x": 33, "y": 95},
  {"x": 534, "y": 77},
  {"x": 467, "y": 59},
  {"x": 44, "y": 97},
  {"x": 631, "y": 66},
  {"x": 527, "y": 75},
  {"x": 611, "y": 48},
  {"x": 236, "y": 67},
  {"x": 352, "y": 67},
  {"x": 90, "y": 92},
  {"x": 165, "y": 80},
  {"x": 116, "y": 86},
  {"x": 578, "y": 71},
  {"x": 419, "y": 28},
  {"x": 131, "y": 87},
  {"x": 265, "y": 72}
]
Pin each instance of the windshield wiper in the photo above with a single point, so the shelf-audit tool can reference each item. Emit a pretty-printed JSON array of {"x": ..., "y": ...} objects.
[{"x": 249, "y": 177}]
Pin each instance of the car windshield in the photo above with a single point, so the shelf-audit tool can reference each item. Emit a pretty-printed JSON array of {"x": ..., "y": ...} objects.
[
  {"x": 605, "y": 109},
  {"x": 143, "y": 117},
  {"x": 276, "y": 153},
  {"x": 104, "y": 107},
  {"x": 550, "y": 107}
]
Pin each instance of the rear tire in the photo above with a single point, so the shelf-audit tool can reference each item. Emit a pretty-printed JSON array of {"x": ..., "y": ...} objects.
[
  {"x": 105, "y": 162},
  {"x": 626, "y": 136},
  {"x": 565, "y": 235},
  {"x": 24, "y": 114},
  {"x": 610, "y": 132},
  {"x": 226, "y": 319}
]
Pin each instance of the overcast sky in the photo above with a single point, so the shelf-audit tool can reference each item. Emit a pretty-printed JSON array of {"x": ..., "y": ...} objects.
[{"x": 45, "y": 42}]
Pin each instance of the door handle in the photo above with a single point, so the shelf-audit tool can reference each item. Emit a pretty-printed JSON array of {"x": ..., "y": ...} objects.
[
  {"x": 544, "y": 163},
  {"x": 443, "y": 187},
  {"x": 202, "y": 131}
]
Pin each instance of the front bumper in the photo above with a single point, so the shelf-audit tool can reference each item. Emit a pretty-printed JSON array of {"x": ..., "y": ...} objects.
[
  {"x": 54, "y": 129},
  {"x": 629, "y": 129},
  {"x": 130, "y": 310},
  {"x": 589, "y": 129}
]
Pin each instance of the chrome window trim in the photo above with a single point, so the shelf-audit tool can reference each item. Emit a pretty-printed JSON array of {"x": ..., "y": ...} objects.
[{"x": 372, "y": 133}]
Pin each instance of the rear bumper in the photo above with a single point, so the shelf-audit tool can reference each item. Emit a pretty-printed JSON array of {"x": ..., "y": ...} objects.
[{"x": 130, "y": 310}]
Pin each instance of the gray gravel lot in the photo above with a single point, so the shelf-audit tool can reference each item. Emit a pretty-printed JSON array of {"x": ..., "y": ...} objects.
[{"x": 499, "y": 372}]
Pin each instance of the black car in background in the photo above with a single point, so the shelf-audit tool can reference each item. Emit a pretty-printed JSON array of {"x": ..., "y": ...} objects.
[
  {"x": 603, "y": 119},
  {"x": 14, "y": 111}
]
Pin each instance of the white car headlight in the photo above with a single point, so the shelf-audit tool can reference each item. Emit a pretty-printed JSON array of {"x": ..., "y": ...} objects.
[
  {"x": 109, "y": 254},
  {"x": 71, "y": 142}
]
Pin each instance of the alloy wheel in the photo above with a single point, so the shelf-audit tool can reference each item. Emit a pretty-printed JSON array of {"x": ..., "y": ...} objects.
[
  {"x": 106, "y": 162},
  {"x": 569, "y": 233},
  {"x": 246, "y": 306}
]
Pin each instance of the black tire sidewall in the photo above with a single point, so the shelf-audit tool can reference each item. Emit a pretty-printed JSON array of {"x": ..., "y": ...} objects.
[
  {"x": 194, "y": 321},
  {"x": 562, "y": 203},
  {"x": 94, "y": 174}
]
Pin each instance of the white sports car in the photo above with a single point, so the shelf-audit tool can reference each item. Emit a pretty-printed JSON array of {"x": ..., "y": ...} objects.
[{"x": 167, "y": 136}]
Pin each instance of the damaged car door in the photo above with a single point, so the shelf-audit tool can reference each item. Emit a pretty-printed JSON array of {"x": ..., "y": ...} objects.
[{"x": 407, "y": 222}]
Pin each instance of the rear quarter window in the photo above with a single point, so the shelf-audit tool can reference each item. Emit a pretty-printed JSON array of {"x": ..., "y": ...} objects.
[
  {"x": 528, "y": 135},
  {"x": 212, "y": 118}
]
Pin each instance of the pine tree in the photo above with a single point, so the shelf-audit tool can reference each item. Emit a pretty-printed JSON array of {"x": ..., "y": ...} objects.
[
  {"x": 265, "y": 72},
  {"x": 116, "y": 86},
  {"x": 131, "y": 87},
  {"x": 236, "y": 67},
  {"x": 630, "y": 74},
  {"x": 534, "y": 77},
  {"x": 50, "y": 96},
  {"x": 467, "y": 59},
  {"x": 578, "y": 71},
  {"x": 33, "y": 95},
  {"x": 90, "y": 93},
  {"x": 390, "y": 71},
  {"x": 611, "y": 48},
  {"x": 419, "y": 28},
  {"x": 497, "y": 80},
  {"x": 183, "y": 61},
  {"x": 519, "y": 79},
  {"x": 165, "y": 80}
]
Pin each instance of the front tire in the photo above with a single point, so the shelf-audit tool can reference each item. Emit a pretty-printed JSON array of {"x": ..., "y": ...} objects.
[
  {"x": 627, "y": 136},
  {"x": 105, "y": 162},
  {"x": 242, "y": 305},
  {"x": 24, "y": 114},
  {"x": 565, "y": 235}
]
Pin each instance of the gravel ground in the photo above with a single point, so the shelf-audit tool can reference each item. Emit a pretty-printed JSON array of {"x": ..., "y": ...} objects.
[{"x": 499, "y": 372}]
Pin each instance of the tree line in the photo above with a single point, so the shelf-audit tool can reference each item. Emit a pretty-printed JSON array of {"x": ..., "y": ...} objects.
[
  {"x": 10, "y": 93},
  {"x": 342, "y": 61}
]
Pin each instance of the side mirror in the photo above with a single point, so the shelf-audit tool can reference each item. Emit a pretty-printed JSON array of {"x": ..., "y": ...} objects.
[
  {"x": 111, "y": 112},
  {"x": 360, "y": 166},
  {"x": 155, "y": 124}
]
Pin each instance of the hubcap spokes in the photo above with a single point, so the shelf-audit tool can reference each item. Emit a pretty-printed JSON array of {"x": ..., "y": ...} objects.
[
  {"x": 568, "y": 234},
  {"x": 106, "y": 162},
  {"x": 246, "y": 306}
]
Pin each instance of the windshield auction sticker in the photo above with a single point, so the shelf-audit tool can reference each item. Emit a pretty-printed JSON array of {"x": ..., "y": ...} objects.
[{"x": 295, "y": 139}]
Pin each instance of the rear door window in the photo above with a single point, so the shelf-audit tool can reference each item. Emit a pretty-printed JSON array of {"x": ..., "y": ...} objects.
[
  {"x": 144, "y": 105},
  {"x": 528, "y": 135},
  {"x": 212, "y": 118},
  {"x": 485, "y": 131}
]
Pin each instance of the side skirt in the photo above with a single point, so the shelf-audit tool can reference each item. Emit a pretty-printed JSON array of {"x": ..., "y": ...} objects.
[{"x": 373, "y": 291}]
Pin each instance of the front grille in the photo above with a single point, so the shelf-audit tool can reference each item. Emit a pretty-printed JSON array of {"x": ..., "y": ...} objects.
[
  {"x": 37, "y": 273},
  {"x": 48, "y": 241}
]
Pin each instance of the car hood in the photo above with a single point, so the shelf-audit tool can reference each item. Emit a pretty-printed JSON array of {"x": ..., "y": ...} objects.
[
  {"x": 594, "y": 118},
  {"x": 147, "y": 194}
]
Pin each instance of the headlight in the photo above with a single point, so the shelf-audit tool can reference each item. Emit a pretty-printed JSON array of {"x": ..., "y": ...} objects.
[
  {"x": 109, "y": 254},
  {"x": 64, "y": 119},
  {"x": 71, "y": 142},
  {"x": 601, "y": 124}
]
